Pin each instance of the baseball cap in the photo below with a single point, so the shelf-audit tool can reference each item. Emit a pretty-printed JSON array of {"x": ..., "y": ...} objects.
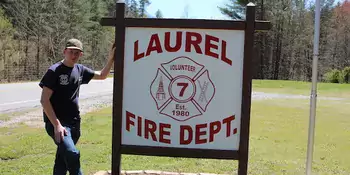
[{"x": 74, "y": 44}]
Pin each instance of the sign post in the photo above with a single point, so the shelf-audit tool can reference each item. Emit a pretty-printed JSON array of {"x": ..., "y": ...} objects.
[
  {"x": 313, "y": 99},
  {"x": 182, "y": 87}
]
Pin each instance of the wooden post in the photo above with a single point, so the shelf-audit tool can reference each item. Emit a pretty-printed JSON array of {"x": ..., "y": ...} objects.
[
  {"x": 118, "y": 87},
  {"x": 247, "y": 88}
]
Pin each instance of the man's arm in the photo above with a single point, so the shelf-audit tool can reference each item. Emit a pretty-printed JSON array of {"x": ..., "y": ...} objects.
[
  {"x": 45, "y": 102},
  {"x": 59, "y": 130},
  {"x": 101, "y": 75}
]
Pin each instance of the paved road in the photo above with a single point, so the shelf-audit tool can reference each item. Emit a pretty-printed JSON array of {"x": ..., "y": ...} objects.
[{"x": 19, "y": 96}]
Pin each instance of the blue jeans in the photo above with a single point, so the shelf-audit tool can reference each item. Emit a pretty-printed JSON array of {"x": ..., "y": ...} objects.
[{"x": 67, "y": 155}]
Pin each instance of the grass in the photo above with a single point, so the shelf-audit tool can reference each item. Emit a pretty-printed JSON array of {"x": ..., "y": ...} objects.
[
  {"x": 5, "y": 117},
  {"x": 277, "y": 144},
  {"x": 301, "y": 88},
  {"x": 278, "y": 140},
  {"x": 289, "y": 87},
  {"x": 279, "y": 137}
]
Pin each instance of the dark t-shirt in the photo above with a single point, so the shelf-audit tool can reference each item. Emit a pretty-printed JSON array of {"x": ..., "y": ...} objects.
[{"x": 65, "y": 82}]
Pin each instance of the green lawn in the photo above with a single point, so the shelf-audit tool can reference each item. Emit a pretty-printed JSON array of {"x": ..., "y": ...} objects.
[
  {"x": 5, "y": 117},
  {"x": 301, "y": 88},
  {"x": 277, "y": 144},
  {"x": 278, "y": 140},
  {"x": 297, "y": 87}
]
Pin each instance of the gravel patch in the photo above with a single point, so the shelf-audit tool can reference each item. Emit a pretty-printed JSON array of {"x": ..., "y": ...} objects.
[
  {"x": 33, "y": 117},
  {"x": 150, "y": 172},
  {"x": 267, "y": 96}
]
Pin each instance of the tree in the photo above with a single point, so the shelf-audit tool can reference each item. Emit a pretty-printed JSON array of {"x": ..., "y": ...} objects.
[
  {"x": 340, "y": 36},
  {"x": 142, "y": 8},
  {"x": 133, "y": 9},
  {"x": 6, "y": 44},
  {"x": 186, "y": 11},
  {"x": 4, "y": 1},
  {"x": 95, "y": 34},
  {"x": 285, "y": 51},
  {"x": 235, "y": 9},
  {"x": 41, "y": 27},
  {"x": 159, "y": 14}
]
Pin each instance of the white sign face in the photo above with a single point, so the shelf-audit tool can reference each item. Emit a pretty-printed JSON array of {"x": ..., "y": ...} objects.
[{"x": 182, "y": 88}]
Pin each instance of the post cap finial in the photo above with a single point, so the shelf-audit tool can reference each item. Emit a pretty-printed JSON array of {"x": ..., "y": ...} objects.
[
  {"x": 250, "y": 4},
  {"x": 120, "y": 1}
]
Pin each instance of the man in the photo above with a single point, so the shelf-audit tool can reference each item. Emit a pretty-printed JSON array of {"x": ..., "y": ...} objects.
[{"x": 60, "y": 93}]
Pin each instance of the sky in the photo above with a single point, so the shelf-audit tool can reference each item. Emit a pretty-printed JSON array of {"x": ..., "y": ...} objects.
[{"x": 197, "y": 9}]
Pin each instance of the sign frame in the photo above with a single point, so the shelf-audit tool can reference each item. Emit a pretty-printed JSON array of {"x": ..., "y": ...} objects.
[{"x": 120, "y": 22}]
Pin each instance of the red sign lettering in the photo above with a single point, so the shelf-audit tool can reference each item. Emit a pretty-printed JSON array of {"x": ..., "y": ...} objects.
[
  {"x": 201, "y": 135},
  {"x": 161, "y": 132},
  {"x": 192, "y": 40},
  {"x": 215, "y": 128},
  {"x": 151, "y": 130},
  {"x": 188, "y": 130},
  {"x": 209, "y": 45},
  {"x": 154, "y": 45},
  {"x": 137, "y": 55},
  {"x": 177, "y": 45}
]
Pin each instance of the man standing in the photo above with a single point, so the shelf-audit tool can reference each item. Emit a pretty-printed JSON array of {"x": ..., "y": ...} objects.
[{"x": 60, "y": 94}]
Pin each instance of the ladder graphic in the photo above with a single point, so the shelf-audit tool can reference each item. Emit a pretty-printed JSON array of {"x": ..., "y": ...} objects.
[{"x": 203, "y": 88}]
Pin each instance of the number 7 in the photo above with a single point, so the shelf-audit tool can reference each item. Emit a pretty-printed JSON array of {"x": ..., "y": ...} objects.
[{"x": 184, "y": 86}]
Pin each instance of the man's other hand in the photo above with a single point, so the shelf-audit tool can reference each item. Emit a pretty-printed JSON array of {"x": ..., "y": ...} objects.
[{"x": 60, "y": 132}]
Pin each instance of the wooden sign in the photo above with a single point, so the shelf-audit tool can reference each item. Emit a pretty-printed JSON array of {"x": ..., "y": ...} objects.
[{"x": 182, "y": 87}]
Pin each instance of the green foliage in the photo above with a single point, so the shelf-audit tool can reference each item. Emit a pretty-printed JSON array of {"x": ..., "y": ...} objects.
[
  {"x": 33, "y": 33},
  {"x": 235, "y": 9},
  {"x": 133, "y": 10},
  {"x": 333, "y": 76},
  {"x": 159, "y": 14},
  {"x": 6, "y": 40},
  {"x": 346, "y": 75},
  {"x": 5, "y": 25},
  {"x": 338, "y": 76},
  {"x": 143, "y": 6},
  {"x": 285, "y": 51}
]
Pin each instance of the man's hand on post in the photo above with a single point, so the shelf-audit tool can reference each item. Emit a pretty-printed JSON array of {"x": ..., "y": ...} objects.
[{"x": 112, "y": 52}]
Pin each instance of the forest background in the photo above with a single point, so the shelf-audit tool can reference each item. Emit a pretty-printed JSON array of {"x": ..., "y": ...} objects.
[{"x": 33, "y": 33}]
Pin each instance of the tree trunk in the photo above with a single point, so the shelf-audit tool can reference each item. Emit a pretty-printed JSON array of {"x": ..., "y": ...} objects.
[
  {"x": 38, "y": 57},
  {"x": 278, "y": 51},
  {"x": 26, "y": 58}
]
